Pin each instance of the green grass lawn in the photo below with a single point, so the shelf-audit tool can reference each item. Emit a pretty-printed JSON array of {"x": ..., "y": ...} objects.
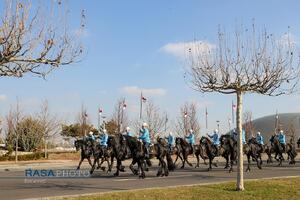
[{"x": 264, "y": 189}]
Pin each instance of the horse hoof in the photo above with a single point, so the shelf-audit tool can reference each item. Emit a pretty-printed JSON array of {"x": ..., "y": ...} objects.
[
  {"x": 182, "y": 167},
  {"x": 103, "y": 168},
  {"x": 116, "y": 174},
  {"x": 78, "y": 168},
  {"x": 216, "y": 165},
  {"x": 167, "y": 174},
  {"x": 91, "y": 172}
]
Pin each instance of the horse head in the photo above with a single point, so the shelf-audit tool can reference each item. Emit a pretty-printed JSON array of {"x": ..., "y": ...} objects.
[{"x": 78, "y": 144}]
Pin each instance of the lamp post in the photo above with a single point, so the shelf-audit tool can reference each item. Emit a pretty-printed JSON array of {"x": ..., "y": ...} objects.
[{"x": 218, "y": 125}]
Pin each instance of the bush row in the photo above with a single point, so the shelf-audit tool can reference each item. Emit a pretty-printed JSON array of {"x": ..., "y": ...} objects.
[{"x": 33, "y": 156}]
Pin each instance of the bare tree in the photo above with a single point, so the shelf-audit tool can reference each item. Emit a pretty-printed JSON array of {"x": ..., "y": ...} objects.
[
  {"x": 247, "y": 63},
  {"x": 154, "y": 118},
  {"x": 247, "y": 123},
  {"x": 50, "y": 124},
  {"x": 35, "y": 38},
  {"x": 120, "y": 115},
  {"x": 188, "y": 119},
  {"x": 13, "y": 119},
  {"x": 83, "y": 121}
]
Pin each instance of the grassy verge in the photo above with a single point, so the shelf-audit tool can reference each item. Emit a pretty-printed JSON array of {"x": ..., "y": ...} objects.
[{"x": 263, "y": 189}]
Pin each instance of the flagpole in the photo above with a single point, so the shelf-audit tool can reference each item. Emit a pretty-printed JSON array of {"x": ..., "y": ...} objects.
[
  {"x": 232, "y": 113},
  {"x": 206, "y": 121},
  {"x": 141, "y": 105},
  {"x": 276, "y": 121},
  {"x": 98, "y": 112}
]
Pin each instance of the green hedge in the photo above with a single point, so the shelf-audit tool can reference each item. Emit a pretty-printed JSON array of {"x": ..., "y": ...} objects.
[{"x": 33, "y": 156}]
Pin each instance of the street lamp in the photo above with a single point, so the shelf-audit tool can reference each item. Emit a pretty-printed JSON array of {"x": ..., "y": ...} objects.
[{"x": 218, "y": 124}]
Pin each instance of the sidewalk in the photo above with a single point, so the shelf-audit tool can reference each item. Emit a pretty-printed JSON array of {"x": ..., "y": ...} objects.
[{"x": 39, "y": 164}]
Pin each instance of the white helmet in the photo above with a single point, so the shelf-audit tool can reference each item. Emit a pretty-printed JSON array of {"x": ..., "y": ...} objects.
[
  {"x": 191, "y": 130},
  {"x": 281, "y": 131},
  {"x": 216, "y": 130},
  {"x": 90, "y": 133},
  {"x": 258, "y": 133},
  {"x": 145, "y": 124},
  {"x": 170, "y": 133},
  {"x": 127, "y": 128},
  {"x": 104, "y": 131}
]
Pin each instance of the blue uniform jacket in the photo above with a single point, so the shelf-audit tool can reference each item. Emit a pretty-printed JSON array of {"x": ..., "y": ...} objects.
[
  {"x": 243, "y": 136},
  {"x": 103, "y": 139},
  {"x": 191, "y": 138},
  {"x": 215, "y": 138},
  {"x": 91, "y": 137},
  {"x": 171, "y": 140},
  {"x": 145, "y": 135},
  {"x": 260, "y": 139},
  {"x": 281, "y": 138},
  {"x": 129, "y": 134}
]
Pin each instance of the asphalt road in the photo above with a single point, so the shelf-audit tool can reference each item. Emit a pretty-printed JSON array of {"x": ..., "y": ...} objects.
[{"x": 14, "y": 184}]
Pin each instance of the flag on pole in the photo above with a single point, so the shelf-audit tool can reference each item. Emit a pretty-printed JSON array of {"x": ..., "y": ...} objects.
[
  {"x": 143, "y": 99},
  {"x": 185, "y": 114},
  {"x": 85, "y": 115},
  {"x": 100, "y": 111},
  {"x": 234, "y": 107},
  {"x": 124, "y": 105}
]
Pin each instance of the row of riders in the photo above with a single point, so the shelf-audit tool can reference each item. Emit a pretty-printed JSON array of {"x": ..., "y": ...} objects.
[{"x": 126, "y": 146}]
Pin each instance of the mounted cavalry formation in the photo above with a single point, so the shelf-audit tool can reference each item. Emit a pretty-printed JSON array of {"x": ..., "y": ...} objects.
[{"x": 120, "y": 147}]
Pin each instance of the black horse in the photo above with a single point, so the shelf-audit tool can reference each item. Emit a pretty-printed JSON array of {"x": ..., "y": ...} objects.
[
  {"x": 291, "y": 151},
  {"x": 86, "y": 147},
  {"x": 298, "y": 142},
  {"x": 277, "y": 148},
  {"x": 209, "y": 150},
  {"x": 252, "y": 150},
  {"x": 103, "y": 154},
  {"x": 184, "y": 149},
  {"x": 199, "y": 152},
  {"x": 228, "y": 150}
]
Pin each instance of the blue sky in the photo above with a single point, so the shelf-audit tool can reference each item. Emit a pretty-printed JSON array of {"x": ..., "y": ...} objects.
[{"x": 125, "y": 43}]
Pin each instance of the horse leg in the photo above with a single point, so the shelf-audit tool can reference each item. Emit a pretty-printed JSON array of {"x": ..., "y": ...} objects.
[
  {"x": 187, "y": 161},
  {"x": 210, "y": 162},
  {"x": 159, "y": 172},
  {"x": 94, "y": 165},
  {"x": 90, "y": 162},
  {"x": 81, "y": 159},
  {"x": 118, "y": 168},
  {"x": 111, "y": 164},
  {"x": 140, "y": 166},
  {"x": 134, "y": 171},
  {"x": 198, "y": 160},
  {"x": 249, "y": 161}
]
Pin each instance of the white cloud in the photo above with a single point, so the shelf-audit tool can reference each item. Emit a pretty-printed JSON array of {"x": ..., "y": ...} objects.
[
  {"x": 3, "y": 97},
  {"x": 135, "y": 90},
  {"x": 182, "y": 49}
]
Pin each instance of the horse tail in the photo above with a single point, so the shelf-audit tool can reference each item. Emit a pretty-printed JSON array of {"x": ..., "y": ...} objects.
[{"x": 170, "y": 162}]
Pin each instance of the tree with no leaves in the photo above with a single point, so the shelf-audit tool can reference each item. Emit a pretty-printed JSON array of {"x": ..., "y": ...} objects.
[
  {"x": 188, "y": 119},
  {"x": 49, "y": 123},
  {"x": 249, "y": 62},
  {"x": 120, "y": 116},
  {"x": 35, "y": 38}
]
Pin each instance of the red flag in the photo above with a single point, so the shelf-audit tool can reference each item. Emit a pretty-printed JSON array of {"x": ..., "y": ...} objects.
[
  {"x": 144, "y": 99},
  {"x": 124, "y": 105},
  {"x": 100, "y": 110},
  {"x": 85, "y": 115}
]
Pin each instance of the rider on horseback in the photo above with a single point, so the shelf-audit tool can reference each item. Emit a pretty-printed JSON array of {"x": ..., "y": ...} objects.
[
  {"x": 281, "y": 138},
  {"x": 128, "y": 132},
  {"x": 171, "y": 141},
  {"x": 216, "y": 140},
  {"x": 103, "y": 141},
  {"x": 90, "y": 136},
  {"x": 191, "y": 139},
  {"x": 145, "y": 137},
  {"x": 260, "y": 140}
]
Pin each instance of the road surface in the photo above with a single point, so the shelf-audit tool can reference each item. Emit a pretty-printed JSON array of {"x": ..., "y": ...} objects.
[{"x": 14, "y": 184}]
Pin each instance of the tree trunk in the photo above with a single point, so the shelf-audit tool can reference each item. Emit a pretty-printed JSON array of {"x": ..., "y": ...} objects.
[
  {"x": 240, "y": 175},
  {"x": 16, "y": 150},
  {"x": 45, "y": 147}
]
